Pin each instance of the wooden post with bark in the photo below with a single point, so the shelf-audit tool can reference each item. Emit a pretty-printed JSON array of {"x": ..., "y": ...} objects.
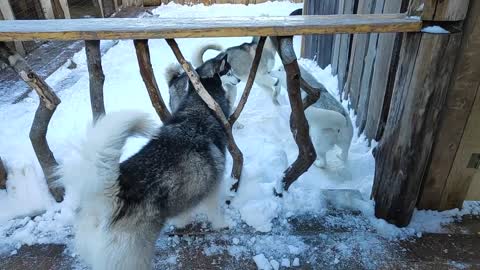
[
  {"x": 420, "y": 89},
  {"x": 298, "y": 122},
  {"x": 3, "y": 175},
  {"x": 47, "y": 105},
  {"x": 146, "y": 70},
  {"x": 96, "y": 76}
]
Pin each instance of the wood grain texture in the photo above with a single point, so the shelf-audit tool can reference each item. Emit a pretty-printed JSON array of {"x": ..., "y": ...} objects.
[
  {"x": 359, "y": 51},
  {"x": 141, "y": 28},
  {"x": 344, "y": 53},
  {"x": 367, "y": 73},
  {"x": 96, "y": 77},
  {"x": 380, "y": 75},
  {"x": 460, "y": 177},
  {"x": 148, "y": 76},
  {"x": 455, "y": 114},
  {"x": 402, "y": 155}
]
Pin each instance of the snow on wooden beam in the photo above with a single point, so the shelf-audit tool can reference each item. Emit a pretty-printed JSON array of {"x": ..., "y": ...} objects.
[{"x": 141, "y": 28}]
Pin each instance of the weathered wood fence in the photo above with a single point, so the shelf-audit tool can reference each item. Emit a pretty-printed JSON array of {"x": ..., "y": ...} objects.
[{"x": 415, "y": 93}]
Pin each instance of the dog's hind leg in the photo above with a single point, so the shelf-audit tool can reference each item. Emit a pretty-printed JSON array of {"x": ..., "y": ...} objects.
[{"x": 269, "y": 83}]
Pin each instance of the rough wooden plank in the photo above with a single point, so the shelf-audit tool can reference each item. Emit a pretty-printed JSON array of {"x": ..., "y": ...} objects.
[
  {"x": 336, "y": 42},
  {"x": 380, "y": 75},
  {"x": 344, "y": 53},
  {"x": 367, "y": 73},
  {"x": 47, "y": 9},
  {"x": 402, "y": 155},
  {"x": 359, "y": 52},
  {"x": 451, "y": 10},
  {"x": 139, "y": 28},
  {"x": 460, "y": 177},
  {"x": 474, "y": 190},
  {"x": 455, "y": 113}
]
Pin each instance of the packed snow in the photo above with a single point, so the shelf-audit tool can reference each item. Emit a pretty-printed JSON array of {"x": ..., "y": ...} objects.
[
  {"x": 30, "y": 216},
  {"x": 435, "y": 30}
]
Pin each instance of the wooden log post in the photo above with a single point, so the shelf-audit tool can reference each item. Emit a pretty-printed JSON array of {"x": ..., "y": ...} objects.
[
  {"x": 449, "y": 174},
  {"x": 47, "y": 105},
  {"x": 298, "y": 122},
  {"x": 146, "y": 70},
  {"x": 96, "y": 76},
  {"x": 213, "y": 105},
  {"x": 3, "y": 175}
]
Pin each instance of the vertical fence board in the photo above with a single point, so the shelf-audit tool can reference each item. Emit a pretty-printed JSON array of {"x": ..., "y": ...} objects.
[
  {"x": 402, "y": 155},
  {"x": 344, "y": 48},
  {"x": 358, "y": 56},
  {"x": 455, "y": 113},
  {"x": 380, "y": 75},
  {"x": 367, "y": 73}
]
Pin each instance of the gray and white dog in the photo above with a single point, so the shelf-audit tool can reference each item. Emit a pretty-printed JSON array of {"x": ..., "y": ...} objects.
[
  {"x": 178, "y": 81},
  {"x": 241, "y": 58},
  {"x": 124, "y": 205},
  {"x": 319, "y": 119}
]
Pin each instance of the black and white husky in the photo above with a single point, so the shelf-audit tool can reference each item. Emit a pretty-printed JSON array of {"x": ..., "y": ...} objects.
[{"x": 124, "y": 205}]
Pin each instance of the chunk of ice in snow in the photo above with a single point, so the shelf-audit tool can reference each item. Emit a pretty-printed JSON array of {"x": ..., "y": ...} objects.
[
  {"x": 293, "y": 250},
  {"x": 262, "y": 262},
  {"x": 275, "y": 265},
  {"x": 296, "y": 262},
  {"x": 235, "y": 241},
  {"x": 285, "y": 262}
]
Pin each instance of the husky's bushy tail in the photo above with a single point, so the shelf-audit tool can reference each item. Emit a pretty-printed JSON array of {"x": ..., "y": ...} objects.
[
  {"x": 97, "y": 162},
  {"x": 173, "y": 71},
  {"x": 197, "y": 57}
]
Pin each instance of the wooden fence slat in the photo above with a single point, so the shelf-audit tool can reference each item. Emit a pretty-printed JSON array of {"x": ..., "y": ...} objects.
[
  {"x": 344, "y": 49},
  {"x": 336, "y": 42},
  {"x": 404, "y": 151},
  {"x": 358, "y": 55},
  {"x": 47, "y": 9},
  {"x": 366, "y": 81},
  {"x": 454, "y": 117},
  {"x": 380, "y": 75},
  {"x": 138, "y": 28},
  {"x": 460, "y": 177}
]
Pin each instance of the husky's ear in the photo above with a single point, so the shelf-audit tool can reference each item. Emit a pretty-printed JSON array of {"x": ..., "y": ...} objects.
[{"x": 223, "y": 66}]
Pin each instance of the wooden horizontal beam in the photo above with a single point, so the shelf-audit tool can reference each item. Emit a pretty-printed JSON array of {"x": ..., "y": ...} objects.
[{"x": 151, "y": 28}]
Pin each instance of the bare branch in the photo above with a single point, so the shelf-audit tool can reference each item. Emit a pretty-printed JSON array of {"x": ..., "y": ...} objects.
[
  {"x": 3, "y": 175},
  {"x": 97, "y": 78},
  {"x": 146, "y": 70},
  {"x": 213, "y": 105},
  {"x": 298, "y": 122},
  {"x": 251, "y": 79},
  {"x": 46, "y": 108},
  {"x": 313, "y": 94}
]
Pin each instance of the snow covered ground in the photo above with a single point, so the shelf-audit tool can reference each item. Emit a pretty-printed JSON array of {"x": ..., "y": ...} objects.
[{"x": 265, "y": 140}]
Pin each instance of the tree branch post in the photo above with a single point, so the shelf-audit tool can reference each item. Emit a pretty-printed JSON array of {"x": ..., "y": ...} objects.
[
  {"x": 3, "y": 175},
  {"x": 96, "y": 76},
  {"x": 298, "y": 122},
  {"x": 249, "y": 84},
  {"x": 213, "y": 105},
  {"x": 46, "y": 108},
  {"x": 146, "y": 70}
]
